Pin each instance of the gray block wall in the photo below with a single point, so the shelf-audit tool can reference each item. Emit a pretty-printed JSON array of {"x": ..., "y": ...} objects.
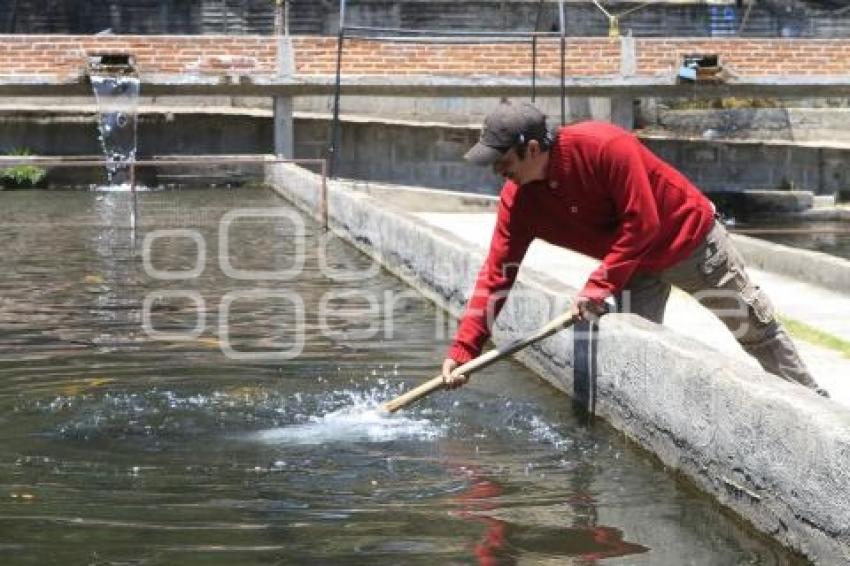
[{"x": 429, "y": 154}]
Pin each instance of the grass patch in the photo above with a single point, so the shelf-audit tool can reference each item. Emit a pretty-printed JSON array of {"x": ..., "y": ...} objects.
[
  {"x": 816, "y": 336},
  {"x": 22, "y": 176}
]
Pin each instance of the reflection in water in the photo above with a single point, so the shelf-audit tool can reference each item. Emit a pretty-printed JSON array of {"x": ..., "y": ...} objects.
[
  {"x": 504, "y": 542},
  {"x": 115, "y": 279},
  {"x": 117, "y": 446}
]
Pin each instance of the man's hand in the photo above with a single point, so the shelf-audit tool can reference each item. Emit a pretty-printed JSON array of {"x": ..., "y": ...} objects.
[
  {"x": 452, "y": 381},
  {"x": 587, "y": 309}
]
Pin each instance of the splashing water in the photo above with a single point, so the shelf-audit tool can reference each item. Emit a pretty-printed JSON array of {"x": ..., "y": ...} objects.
[
  {"x": 122, "y": 188},
  {"x": 361, "y": 420}
]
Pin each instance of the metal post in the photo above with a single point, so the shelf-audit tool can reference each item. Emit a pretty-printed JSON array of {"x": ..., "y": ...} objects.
[
  {"x": 334, "y": 146},
  {"x": 563, "y": 61},
  {"x": 534, "y": 52},
  {"x": 135, "y": 206},
  {"x": 278, "y": 18},
  {"x": 323, "y": 198},
  {"x": 533, "y": 67}
]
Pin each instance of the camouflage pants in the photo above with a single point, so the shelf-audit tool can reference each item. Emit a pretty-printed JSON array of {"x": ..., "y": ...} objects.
[{"x": 714, "y": 274}]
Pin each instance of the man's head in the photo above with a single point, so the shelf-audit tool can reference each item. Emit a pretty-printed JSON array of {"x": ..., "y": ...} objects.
[{"x": 515, "y": 142}]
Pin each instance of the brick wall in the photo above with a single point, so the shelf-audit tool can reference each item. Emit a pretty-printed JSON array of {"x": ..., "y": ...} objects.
[
  {"x": 64, "y": 57},
  {"x": 585, "y": 57},
  {"x": 750, "y": 57}
]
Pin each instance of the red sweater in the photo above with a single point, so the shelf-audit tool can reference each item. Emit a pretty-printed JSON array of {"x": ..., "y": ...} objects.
[{"x": 606, "y": 196}]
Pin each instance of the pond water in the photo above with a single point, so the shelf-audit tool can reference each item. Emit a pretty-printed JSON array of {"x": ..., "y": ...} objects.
[
  {"x": 830, "y": 237},
  {"x": 162, "y": 402}
]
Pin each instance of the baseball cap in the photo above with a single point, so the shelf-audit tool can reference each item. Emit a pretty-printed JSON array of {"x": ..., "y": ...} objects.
[{"x": 508, "y": 125}]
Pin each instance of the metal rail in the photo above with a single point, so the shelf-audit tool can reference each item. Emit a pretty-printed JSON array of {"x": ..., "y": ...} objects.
[
  {"x": 448, "y": 40},
  {"x": 361, "y": 33},
  {"x": 457, "y": 33},
  {"x": 72, "y": 161}
]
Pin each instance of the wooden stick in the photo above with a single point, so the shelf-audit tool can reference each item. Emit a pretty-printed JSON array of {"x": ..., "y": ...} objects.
[{"x": 564, "y": 321}]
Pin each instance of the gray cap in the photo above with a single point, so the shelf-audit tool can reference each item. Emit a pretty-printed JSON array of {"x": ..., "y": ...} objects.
[{"x": 508, "y": 125}]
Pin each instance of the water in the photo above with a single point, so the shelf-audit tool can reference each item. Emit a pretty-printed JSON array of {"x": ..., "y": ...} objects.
[
  {"x": 830, "y": 237},
  {"x": 123, "y": 446},
  {"x": 117, "y": 101}
]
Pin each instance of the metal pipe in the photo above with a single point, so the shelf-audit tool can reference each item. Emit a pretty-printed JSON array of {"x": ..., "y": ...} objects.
[
  {"x": 534, "y": 51},
  {"x": 445, "y": 40},
  {"x": 278, "y": 17},
  {"x": 334, "y": 145},
  {"x": 69, "y": 161},
  {"x": 452, "y": 32},
  {"x": 563, "y": 23},
  {"x": 134, "y": 216},
  {"x": 533, "y": 68}
]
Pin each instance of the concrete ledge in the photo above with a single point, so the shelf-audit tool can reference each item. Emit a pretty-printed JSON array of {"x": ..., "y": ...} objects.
[
  {"x": 837, "y": 214},
  {"x": 773, "y": 452},
  {"x": 818, "y": 268},
  {"x": 242, "y": 83},
  {"x": 421, "y": 199},
  {"x": 768, "y": 202}
]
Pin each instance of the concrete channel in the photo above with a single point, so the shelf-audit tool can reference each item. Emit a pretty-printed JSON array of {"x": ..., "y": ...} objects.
[{"x": 777, "y": 455}]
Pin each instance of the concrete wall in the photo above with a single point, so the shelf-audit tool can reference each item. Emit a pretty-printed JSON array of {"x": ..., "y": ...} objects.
[
  {"x": 786, "y": 123},
  {"x": 455, "y": 110},
  {"x": 821, "y": 269},
  {"x": 716, "y": 165},
  {"x": 431, "y": 154},
  {"x": 776, "y": 454},
  {"x": 376, "y": 151},
  {"x": 158, "y": 134}
]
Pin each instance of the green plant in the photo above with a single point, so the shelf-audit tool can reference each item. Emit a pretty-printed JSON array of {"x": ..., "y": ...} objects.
[{"x": 22, "y": 175}]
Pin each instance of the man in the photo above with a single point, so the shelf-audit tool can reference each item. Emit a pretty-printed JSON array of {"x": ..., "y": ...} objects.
[{"x": 594, "y": 188}]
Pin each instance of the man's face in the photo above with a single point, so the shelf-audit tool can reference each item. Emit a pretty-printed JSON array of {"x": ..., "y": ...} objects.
[{"x": 519, "y": 170}]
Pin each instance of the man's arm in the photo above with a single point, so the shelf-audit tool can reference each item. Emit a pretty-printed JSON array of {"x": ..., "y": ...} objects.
[
  {"x": 511, "y": 238},
  {"x": 623, "y": 173}
]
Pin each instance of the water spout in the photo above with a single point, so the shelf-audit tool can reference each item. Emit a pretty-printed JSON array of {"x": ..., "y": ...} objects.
[{"x": 116, "y": 89}]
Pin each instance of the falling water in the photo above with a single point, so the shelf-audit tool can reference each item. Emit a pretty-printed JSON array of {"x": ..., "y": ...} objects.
[{"x": 117, "y": 100}]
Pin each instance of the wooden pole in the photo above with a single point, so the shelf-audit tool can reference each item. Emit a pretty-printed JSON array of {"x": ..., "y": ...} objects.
[{"x": 564, "y": 321}]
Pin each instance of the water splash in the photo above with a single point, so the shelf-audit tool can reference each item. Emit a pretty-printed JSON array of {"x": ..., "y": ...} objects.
[
  {"x": 120, "y": 188},
  {"x": 360, "y": 420}
]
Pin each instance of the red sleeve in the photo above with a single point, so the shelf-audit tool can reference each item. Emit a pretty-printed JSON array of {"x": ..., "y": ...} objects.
[
  {"x": 625, "y": 178},
  {"x": 511, "y": 239}
]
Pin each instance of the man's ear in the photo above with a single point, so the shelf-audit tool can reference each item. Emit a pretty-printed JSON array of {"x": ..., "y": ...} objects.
[{"x": 533, "y": 148}]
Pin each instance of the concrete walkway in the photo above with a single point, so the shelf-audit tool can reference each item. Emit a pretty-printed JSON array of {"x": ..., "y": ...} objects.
[{"x": 825, "y": 310}]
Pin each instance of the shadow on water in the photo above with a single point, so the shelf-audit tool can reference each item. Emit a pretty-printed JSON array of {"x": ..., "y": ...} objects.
[{"x": 126, "y": 443}]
